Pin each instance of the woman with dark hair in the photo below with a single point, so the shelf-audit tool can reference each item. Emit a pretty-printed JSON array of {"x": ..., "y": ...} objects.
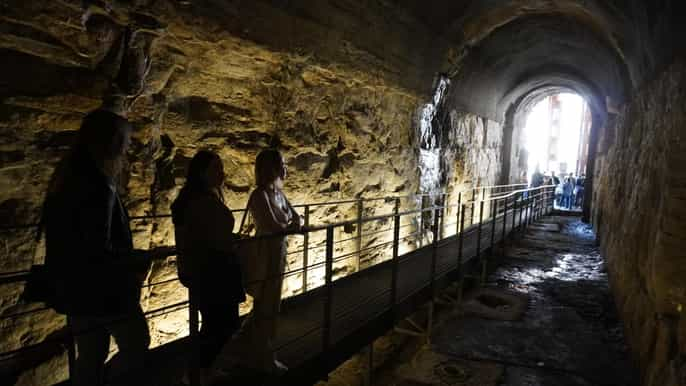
[
  {"x": 270, "y": 213},
  {"x": 89, "y": 250},
  {"x": 206, "y": 260}
]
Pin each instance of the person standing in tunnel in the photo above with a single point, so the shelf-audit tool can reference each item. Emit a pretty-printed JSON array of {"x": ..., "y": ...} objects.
[
  {"x": 90, "y": 251},
  {"x": 537, "y": 178},
  {"x": 579, "y": 191},
  {"x": 567, "y": 190},
  {"x": 206, "y": 262},
  {"x": 271, "y": 214}
]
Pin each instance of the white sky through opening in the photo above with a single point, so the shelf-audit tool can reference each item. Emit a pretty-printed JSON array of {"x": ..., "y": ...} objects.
[{"x": 537, "y": 129}]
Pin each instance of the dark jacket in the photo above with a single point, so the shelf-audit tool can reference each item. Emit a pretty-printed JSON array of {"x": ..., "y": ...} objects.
[
  {"x": 206, "y": 259},
  {"x": 89, "y": 248}
]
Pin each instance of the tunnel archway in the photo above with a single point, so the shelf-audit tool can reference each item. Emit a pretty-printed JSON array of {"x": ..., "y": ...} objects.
[{"x": 510, "y": 56}]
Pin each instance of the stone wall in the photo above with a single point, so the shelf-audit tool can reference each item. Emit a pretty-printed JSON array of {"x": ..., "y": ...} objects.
[
  {"x": 639, "y": 214},
  {"x": 342, "y": 108},
  {"x": 474, "y": 153}
]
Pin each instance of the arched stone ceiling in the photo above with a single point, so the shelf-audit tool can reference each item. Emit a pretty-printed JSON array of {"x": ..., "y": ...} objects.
[
  {"x": 559, "y": 48},
  {"x": 502, "y": 50}
]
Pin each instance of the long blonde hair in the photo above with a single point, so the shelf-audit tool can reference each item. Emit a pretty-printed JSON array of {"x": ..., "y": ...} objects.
[{"x": 269, "y": 166}]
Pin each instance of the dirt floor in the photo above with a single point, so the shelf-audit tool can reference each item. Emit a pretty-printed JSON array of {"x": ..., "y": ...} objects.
[
  {"x": 568, "y": 334},
  {"x": 544, "y": 317}
]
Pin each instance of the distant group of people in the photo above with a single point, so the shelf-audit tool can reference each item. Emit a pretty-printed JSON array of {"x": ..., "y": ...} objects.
[
  {"x": 98, "y": 274},
  {"x": 569, "y": 191}
]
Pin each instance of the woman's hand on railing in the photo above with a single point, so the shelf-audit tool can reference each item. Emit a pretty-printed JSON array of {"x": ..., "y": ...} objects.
[{"x": 296, "y": 224}]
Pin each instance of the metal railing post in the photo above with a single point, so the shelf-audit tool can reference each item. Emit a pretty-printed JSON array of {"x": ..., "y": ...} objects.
[
  {"x": 460, "y": 247},
  {"x": 396, "y": 245},
  {"x": 326, "y": 329},
  {"x": 539, "y": 206},
  {"x": 444, "y": 214},
  {"x": 483, "y": 193},
  {"x": 529, "y": 209},
  {"x": 471, "y": 222},
  {"x": 493, "y": 224},
  {"x": 434, "y": 252},
  {"x": 306, "y": 248},
  {"x": 473, "y": 212},
  {"x": 358, "y": 244},
  {"x": 504, "y": 221},
  {"x": 514, "y": 213},
  {"x": 457, "y": 219},
  {"x": 421, "y": 222},
  {"x": 478, "y": 230},
  {"x": 521, "y": 210},
  {"x": 484, "y": 259}
]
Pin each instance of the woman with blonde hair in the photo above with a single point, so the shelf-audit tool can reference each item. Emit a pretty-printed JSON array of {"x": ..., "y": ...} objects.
[{"x": 271, "y": 215}]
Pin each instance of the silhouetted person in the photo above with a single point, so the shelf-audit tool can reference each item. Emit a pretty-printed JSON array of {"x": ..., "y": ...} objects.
[
  {"x": 572, "y": 197},
  {"x": 271, "y": 213},
  {"x": 567, "y": 190},
  {"x": 536, "y": 178},
  {"x": 206, "y": 260},
  {"x": 555, "y": 179},
  {"x": 90, "y": 249},
  {"x": 579, "y": 190}
]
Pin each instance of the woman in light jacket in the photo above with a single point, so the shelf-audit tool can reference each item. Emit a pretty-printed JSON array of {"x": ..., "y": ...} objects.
[{"x": 271, "y": 213}]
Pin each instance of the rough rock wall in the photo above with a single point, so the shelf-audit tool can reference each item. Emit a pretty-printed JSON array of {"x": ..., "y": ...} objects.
[
  {"x": 342, "y": 109},
  {"x": 640, "y": 217},
  {"x": 473, "y": 158},
  {"x": 518, "y": 156}
]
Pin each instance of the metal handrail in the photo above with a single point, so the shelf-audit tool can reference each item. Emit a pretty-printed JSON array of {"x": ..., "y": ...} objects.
[
  {"x": 518, "y": 194},
  {"x": 314, "y": 204}
]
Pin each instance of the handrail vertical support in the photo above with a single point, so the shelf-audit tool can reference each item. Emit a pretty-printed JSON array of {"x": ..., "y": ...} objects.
[
  {"x": 460, "y": 243},
  {"x": 368, "y": 379},
  {"x": 457, "y": 219},
  {"x": 473, "y": 200},
  {"x": 522, "y": 205},
  {"x": 358, "y": 244},
  {"x": 479, "y": 233},
  {"x": 443, "y": 214},
  {"x": 306, "y": 247},
  {"x": 434, "y": 252},
  {"x": 514, "y": 213},
  {"x": 326, "y": 330},
  {"x": 504, "y": 222},
  {"x": 473, "y": 212},
  {"x": 421, "y": 221},
  {"x": 460, "y": 251},
  {"x": 434, "y": 259},
  {"x": 396, "y": 245},
  {"x": 493, "y": 223}
]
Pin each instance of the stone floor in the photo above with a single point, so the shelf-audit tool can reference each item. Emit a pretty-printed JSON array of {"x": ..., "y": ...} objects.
[{"x": 569, "y": 334}]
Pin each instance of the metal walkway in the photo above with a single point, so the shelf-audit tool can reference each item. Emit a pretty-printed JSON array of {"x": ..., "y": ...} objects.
[
  {"x": 323, "y": 327},
  {"x": 320, "y": 328}
]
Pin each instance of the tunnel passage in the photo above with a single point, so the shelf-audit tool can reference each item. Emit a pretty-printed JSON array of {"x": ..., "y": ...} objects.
[{"x": 342, "y": 87}]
